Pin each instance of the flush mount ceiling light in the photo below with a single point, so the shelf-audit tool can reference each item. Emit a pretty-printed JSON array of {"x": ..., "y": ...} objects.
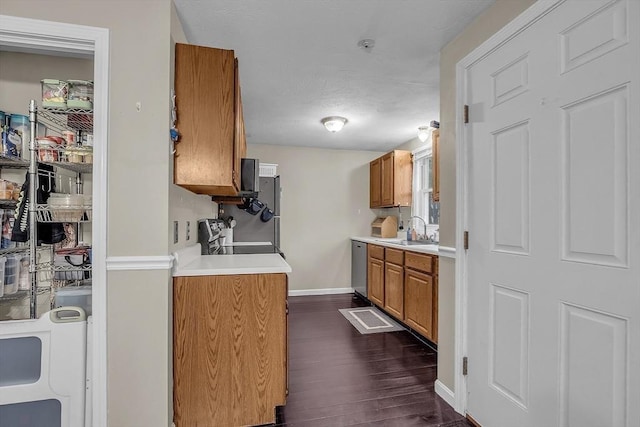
[
  {"x": 334, "y": 123},
  {"x": 423, "y": 133}
]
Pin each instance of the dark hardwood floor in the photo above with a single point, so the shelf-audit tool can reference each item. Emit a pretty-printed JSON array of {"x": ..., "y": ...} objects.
[{"x": 338, "y": 377}]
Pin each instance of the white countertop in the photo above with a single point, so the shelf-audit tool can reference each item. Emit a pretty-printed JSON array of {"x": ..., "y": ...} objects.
[
  {"x": 396, "y": 244},
  {"x": 189, "y": 262}
]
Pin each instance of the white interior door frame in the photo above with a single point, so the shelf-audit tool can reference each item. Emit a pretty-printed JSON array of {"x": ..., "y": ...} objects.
[
  {"x": 37, "y": 36},
  {"x": 519, "y": 24}
]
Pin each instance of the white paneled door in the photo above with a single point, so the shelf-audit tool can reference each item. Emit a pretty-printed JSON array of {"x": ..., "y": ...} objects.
[{"x": 554, "y": 220}]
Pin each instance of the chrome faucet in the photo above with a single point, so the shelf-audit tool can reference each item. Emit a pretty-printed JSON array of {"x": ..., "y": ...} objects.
[{"x": 424, "y": 235}]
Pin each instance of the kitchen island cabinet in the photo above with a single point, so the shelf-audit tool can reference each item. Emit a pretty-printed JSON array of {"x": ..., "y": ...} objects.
[
  {"x": 209, "y": 118},
  {"x": 230, "y": 349}
]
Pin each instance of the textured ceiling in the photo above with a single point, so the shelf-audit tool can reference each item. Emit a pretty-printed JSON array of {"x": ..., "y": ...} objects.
[{"x": 299, "y": 61}]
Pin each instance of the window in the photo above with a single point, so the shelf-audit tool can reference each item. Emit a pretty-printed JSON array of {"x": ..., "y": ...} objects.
[{"x": 423, "y": 204}]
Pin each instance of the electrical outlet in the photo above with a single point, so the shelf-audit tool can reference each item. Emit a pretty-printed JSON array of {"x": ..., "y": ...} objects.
[
  {"x": 175, "y": 232},
  {"x": 188, "y": 230}
]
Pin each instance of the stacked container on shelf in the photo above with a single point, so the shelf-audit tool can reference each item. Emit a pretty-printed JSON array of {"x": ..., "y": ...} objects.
[{"x": 10, "y": 273}]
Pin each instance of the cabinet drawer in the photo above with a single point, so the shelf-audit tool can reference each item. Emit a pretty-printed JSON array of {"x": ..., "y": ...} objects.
[
  {"x": 376, "y": 251},
  {"x": 395, "y": 256},
  {"x": 420, "y": 262}
]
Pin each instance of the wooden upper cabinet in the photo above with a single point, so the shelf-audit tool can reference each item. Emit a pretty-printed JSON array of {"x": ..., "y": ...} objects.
[
  {"x": 435, "y": 150},
  {"x": 240, "y": 139},
  {"x": 209, "y": 109},
  {"x": 375, "y": 181},
  {"x": 390, "y": 180},
  {"x": 387, "y": 179}
]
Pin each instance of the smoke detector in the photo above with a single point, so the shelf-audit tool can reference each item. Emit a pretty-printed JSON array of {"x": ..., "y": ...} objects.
[{"x": 366, "y": 44}]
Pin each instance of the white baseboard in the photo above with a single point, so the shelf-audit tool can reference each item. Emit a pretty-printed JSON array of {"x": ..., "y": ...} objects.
[
  {"x": 446, "y": 394},
  {"x": 328, "y": 291}
]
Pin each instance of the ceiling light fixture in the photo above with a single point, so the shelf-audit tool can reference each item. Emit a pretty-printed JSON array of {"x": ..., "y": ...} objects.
[
  {"x": 334, "y": 123},
  {"x": 423, "y": 133}
]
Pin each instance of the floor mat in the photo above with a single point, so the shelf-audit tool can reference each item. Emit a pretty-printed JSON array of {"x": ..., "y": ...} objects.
[{"x": 370, "y": 320}]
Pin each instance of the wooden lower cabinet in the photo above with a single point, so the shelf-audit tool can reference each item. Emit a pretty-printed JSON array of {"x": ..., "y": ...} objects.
[
  {"x": 394, "y": 289},
  {"x": 375, "y": 281},
  {"x": 230, "y": 345},
  {"x": 419, "y": 304}
]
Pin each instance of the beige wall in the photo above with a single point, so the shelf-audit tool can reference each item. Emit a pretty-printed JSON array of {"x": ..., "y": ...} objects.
[
  {"x": 483, "y": 27},
  {"x": 325, "y": 201},
  {"x": 138, "y": 340}
]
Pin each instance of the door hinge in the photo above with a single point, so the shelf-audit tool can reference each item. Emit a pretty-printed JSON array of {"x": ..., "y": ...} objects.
[
  {"x": 465, "y": 114},
  {"x": 466, "y": 240},
  {"x": 465, "y": 363}
]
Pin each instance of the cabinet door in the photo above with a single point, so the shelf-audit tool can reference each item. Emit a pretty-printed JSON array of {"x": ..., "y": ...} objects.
[
  {"x": 205, "y": 102},
  {"x": 375, "y": 169},
  {"x": 375, "y": 281},
  {"x": 229, "y": 349},
  {"x": 418, "y": 302},
  {"x": 435, "y": 161},
  {"x": 240, "y": 142},
  {"x": 386, "y": 173},
  {"x": 394, "y": 289}
]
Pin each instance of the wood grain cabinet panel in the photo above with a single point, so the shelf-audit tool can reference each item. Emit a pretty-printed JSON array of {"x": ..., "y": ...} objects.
[
  {"x": 394, "y": 289},
  {"x": 390, "y": 180},
  {"x": 375, "y": 182},
  {"x": 420, "y": 262},
  {"x": 376, "y": 251},
  {"x": 229, "y": 355},
  {"x": 387, "y": 179},
  {"x": 395, "y": 256},
  {"x": 418, "y": 302},
  {"x": 209, "y": 119},
  {"x": 375, "y": 278}
]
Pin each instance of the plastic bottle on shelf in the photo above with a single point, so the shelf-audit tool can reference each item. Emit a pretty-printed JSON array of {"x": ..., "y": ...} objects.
[
  {"x": 409, "y": 234},
  {"x": 11, "y": 272},
  {"x": 21, "y": 126},
  {"x": 23, "y": 279}
]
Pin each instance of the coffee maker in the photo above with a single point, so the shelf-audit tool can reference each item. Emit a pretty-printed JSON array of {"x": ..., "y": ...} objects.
[{"x": 209, "y": 233}]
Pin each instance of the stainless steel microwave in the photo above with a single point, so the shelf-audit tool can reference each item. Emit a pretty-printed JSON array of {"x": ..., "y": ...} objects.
[{"x": 249, "y": 176}]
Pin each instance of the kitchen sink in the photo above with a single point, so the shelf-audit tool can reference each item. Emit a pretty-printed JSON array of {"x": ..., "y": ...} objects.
[
  {"x": 408, "y": 242},
  {"x": 417, "y": 242}
]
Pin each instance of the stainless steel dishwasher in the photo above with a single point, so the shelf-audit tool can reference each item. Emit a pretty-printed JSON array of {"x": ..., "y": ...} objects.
[{"x": 359, "y": 268}]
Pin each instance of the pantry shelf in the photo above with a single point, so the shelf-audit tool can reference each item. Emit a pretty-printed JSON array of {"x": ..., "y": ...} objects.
[
  {"x": 74, "y": 167},
  {"x": 50, "y": 271},
  {"x": 8, "y": 204},
  {"x": 13, "y": 162},
  {"x": 73, "y": 118},
  {"x": 18, "y": 250},
  {"x": 45, "y": 213}
]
